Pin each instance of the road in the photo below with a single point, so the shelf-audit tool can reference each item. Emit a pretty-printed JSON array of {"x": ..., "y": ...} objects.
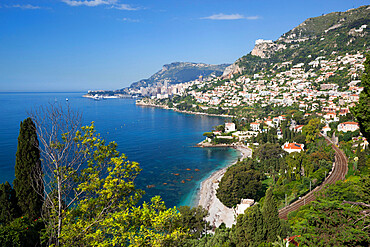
[{"x": 338, "y": 172}]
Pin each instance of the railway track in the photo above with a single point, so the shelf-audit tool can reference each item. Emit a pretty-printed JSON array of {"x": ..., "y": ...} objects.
[{"x": 338, "y": 172}]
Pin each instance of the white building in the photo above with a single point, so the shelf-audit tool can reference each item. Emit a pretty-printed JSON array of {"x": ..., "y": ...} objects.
[
  {"x": 244, "y": 204},
  {"x": 348, "y": 126},
  {"x": 229, "y": 127},
  {"x": 255, "y": 126}
]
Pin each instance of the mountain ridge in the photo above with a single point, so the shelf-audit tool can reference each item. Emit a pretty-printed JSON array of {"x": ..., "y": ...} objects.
[
  {"x": 316, "y": 36},
  {"x": 179, "y": 72}
]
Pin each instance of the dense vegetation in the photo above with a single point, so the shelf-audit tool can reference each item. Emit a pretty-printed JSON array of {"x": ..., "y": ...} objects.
[
  {"x": 362, "y": 110},
  {"x": 240, "y": 181},
  {"x": 331, "y": 220},
  {"x": 99, "y": 202},
  {"x": 320, "y": 36}
]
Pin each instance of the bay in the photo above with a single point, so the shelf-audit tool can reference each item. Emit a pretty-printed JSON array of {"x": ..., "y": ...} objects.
[{"x": 162, "y": 141}]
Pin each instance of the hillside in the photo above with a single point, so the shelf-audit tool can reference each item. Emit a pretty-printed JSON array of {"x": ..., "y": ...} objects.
[
  {"x": 334, "y": 33},
  {"x": 180, "y": 72},
  {"x": 314, "y": 66}
]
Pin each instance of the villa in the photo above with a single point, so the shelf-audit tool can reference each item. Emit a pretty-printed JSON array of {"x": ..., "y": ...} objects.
[
  {"x": 293, "y": 147},
  {"x": 348, "y": 126}
]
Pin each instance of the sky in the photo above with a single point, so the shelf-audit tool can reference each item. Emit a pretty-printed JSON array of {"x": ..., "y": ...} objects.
[{"x": 80, "y": 45}]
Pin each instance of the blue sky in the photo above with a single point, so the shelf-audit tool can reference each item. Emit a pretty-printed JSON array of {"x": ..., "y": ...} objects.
[{"x": 77, "y": 45}]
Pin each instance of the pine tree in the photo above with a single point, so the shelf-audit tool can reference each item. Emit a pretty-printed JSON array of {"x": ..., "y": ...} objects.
[
  {"x": 28, "y": 163},
  {"x": 271, "y": 219},
  {"x": 8, "y": 203}
]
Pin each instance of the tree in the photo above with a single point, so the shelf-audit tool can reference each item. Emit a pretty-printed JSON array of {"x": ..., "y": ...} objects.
[
  {"x": 298, "y": 117},
  {"x": 362, "y": 110},
  {"x": 221, "y": 238},
  {"x": 271, "y": 219},
  {"x": 327, "y": 222},
  {"x": 193, "y": 219},
  {"x": 8, "y": 203},
  {"x": 28, "y": 189},
  {"x": 91, "y": 196},
  {"x": 63, "y": 160},
  {"x": 249, "y": 229},
  {"x": 104, "y": 210},
  {"x": 311, "y": 130},
  {"x": 269, "y": 151},
  {"x": 240, "y": 181},
  {"x": 21, "y": 232}
]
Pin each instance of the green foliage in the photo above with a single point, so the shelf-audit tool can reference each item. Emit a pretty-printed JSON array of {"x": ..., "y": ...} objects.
[
  {"x": 221, "y": 238},
  {"x": 146, "y": 225},
  {"x": 362, "y": 110},
  {"x": 104, "y": 210},
  {"x": 27, "y": 183},
  {"x": 347, "y": 136},
  {"x": 208, "y": 134},
  {"x": 362, "y": 158},
  {"x": 271, "y": 217},
  {"x": 21, "y": 232},
  {"x": 8, "y": 204},
  {"x": 269, "y": 151},
  {"x": 330, "y": 222},
  {"x": 224, "y": 140},
  {"x": 250, "y": 228},
  {"x": 220, "y": 128},
  {"x": 311, "y": 130},
  {"x": 193, "y": 220},
  {"x": 240, "y": 181}
]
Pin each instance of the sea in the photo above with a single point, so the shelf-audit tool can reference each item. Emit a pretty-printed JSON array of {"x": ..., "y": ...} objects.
[{"x": 162, "y": 141}]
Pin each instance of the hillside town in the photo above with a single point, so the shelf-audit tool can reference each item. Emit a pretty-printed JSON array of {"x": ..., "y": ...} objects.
[{"x": 306, "y": 87}]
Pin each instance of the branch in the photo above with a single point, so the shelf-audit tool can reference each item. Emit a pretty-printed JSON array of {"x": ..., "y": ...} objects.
[{"x": 357, "y": 203}]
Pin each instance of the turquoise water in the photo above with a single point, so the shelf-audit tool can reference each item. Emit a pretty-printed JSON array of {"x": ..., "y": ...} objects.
[{"x": 162, "y": 141}]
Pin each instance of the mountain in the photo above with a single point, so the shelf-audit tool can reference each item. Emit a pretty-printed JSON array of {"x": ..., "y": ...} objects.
[
  {"x": 180, "y": 72},
  {"x": 337, "y": 32}
]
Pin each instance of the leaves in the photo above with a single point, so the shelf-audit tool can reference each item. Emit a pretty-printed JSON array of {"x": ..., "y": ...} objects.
[
  {"x": 240, "y": 181},
  {"x": 104, "y": 211},
  {"x": 362, "y": 110}
]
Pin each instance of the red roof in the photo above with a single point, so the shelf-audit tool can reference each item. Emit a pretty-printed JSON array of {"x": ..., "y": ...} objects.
[
  {"x": 293, "y": 146},
  {"x": 350, "y": 123}
]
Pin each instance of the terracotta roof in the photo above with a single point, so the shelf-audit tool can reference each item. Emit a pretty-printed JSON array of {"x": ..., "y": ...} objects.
[
  {"x": 350, "y": 123},
  {"x": 293, "y": 146}
]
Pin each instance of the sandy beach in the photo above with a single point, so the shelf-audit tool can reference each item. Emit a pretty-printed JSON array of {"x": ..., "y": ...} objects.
[{"x": 218, "y": 213}]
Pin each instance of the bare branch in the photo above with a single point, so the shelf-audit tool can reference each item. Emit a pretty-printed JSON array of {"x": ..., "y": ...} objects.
[{"x": 357, "y": 203}]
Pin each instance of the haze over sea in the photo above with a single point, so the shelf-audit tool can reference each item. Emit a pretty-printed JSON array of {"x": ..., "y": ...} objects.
[{"x": 162, "y": 141}]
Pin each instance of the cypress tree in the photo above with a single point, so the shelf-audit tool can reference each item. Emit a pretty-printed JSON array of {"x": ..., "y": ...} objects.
[
  {"x": 249, "y": 229},
  {"x": 28, "y": 163},
  {"x": 8, "y": 203},
  {"x": 271, "y": 219}
]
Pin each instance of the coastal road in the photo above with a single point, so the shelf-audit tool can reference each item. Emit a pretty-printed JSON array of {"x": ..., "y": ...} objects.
[{"x": 338, "y": 172}]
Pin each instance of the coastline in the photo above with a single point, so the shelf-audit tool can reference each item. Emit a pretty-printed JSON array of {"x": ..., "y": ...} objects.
[
  {"x": 187, "y": 112},
  {"x": 218, "y": 213}
]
